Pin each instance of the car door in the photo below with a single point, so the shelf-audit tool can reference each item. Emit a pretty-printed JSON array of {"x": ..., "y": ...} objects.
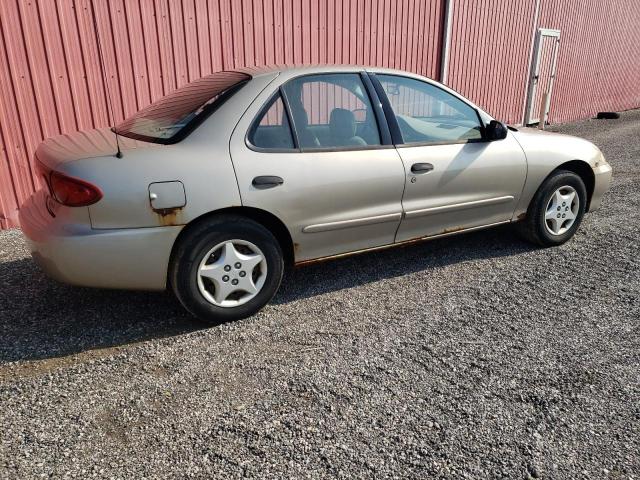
[
  {"x": 314, "y": 152},
  {"x": 455, "y": 179}
]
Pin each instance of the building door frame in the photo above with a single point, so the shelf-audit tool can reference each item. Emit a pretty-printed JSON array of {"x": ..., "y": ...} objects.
[{"x": 532, "y": 114}]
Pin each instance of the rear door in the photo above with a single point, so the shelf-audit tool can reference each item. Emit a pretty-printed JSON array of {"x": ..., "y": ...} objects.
[
  {"x": 454, "y": 178},
  {"x": 312, "y": 152}
]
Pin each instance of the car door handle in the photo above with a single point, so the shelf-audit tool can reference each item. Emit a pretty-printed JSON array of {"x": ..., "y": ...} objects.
[
  {"x": 421, "y": 168},
  {"x": 267, "y": 181}
]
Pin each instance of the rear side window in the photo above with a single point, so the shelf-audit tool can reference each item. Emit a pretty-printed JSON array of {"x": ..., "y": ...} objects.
[
  {"x": 428, "y": 114},
  {"x": 172, "y": 117},
  {"x": 272, "y": 129},
  {"x": 332, "y": 111}
]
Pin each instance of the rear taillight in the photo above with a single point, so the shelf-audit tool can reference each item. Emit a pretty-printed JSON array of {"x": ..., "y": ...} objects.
[{"x": 71, "y": 191}]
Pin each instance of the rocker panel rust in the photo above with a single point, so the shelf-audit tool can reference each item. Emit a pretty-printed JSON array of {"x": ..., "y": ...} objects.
[{"x": 446, "y": 233}]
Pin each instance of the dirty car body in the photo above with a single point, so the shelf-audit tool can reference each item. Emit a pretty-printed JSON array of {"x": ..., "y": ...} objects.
[{"x": 330, "y": 160}]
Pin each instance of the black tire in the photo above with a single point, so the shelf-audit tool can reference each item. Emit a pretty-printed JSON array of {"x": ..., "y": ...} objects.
[
  {"x": 186, "y": 258},
  {"x": 533, "y": 227},
  {"x": 608, "y": 115}
]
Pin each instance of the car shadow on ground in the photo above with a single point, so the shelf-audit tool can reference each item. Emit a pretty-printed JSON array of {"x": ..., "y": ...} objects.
[
  {"x": 42, "y": 319},
  {"x": 346, "y": 272}
]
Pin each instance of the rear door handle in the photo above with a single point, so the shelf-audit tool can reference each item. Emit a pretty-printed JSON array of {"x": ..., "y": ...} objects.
[
  {"x": 421, "y": 168},
  {"x": 267, "y": 181}
]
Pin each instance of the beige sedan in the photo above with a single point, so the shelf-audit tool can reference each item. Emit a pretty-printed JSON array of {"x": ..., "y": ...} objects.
[{"x": 217, "y": 187}]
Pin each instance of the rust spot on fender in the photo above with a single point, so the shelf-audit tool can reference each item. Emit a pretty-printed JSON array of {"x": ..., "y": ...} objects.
[
  {"x": 296, "y": 246},
  {"x": 522, "y": 216},
  {"x": 169, "y": 217}
]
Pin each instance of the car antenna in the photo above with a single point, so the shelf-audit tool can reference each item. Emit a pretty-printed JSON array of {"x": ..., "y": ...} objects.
[
  {"x": 118, "y": 152},
  {"x": 105, "y": 84}
]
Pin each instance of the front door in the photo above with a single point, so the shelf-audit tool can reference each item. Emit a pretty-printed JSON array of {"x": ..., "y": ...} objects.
[
  {"x": 454, "y": 178},
  {"x": 314, "y": 157}
]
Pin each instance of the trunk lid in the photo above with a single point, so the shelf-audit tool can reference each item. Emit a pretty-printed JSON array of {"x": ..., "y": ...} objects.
[{"x": 100, "y": 142}]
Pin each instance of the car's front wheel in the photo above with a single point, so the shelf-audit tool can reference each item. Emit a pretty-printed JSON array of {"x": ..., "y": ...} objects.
[
  {"x": 226, "y": 269},
  {"x": 556, "y": 210}
]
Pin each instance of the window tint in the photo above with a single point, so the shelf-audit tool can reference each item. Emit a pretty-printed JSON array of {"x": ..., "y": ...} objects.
[
  {"x": 426, "y": 113},
  {"x": 166, "y": 119},
  {"x": 272, "y": 130},
  {"x": 332, "y": 111}
]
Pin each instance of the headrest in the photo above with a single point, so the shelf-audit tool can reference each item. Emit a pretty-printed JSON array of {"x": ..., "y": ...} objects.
[{"x": 342, "y": 123}]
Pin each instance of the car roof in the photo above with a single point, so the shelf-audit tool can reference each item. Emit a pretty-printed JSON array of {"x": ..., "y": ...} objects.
[{"x": 293, "y": 70}]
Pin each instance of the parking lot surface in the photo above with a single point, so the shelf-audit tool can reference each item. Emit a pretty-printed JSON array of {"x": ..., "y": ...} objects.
[{"x": 476, "y": 356}]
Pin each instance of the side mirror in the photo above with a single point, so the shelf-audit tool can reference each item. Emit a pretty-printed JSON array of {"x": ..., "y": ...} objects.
[{"x": 496, "y": 131}]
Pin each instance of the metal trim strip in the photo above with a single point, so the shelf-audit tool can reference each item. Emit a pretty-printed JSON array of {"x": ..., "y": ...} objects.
[
  {"x": 358, "y": 222},
  {"x": 457, "y": 206}
]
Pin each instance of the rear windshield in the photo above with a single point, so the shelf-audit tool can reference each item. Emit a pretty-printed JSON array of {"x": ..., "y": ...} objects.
[{"x": 172, "y": 117}]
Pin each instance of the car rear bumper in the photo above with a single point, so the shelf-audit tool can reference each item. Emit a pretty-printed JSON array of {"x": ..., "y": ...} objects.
[
  {"x": 602, "y": 174},
  {"x": 69, "y": 250}
]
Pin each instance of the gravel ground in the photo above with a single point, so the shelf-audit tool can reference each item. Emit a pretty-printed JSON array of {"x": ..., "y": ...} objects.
[{"x": 472, "y": 357}]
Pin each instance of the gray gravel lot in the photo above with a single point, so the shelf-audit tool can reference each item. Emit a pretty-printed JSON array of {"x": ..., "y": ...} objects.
[{"x": 469, "y": 357}]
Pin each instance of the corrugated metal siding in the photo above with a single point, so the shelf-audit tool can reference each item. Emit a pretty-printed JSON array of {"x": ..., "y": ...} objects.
[
  {"x": 599, "y": 58},
  {"x": 51, "y": 82},
  {"x": 598, "y": 61},
  {"x": 489, "y": 57}
]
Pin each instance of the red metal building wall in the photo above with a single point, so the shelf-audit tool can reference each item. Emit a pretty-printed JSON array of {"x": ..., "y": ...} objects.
[
  {"x": 598, "y": 66},
  {"x": 599, "y": 57},
  {"x": 51, "y": 81},
  {"x": 489, "y": 53},
  {"x": 50, "y": 78}
]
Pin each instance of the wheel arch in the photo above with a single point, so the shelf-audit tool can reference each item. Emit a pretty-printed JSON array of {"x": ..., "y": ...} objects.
[
  {"x": 263, "y": 217},
  {"x": 584, "y": 171}
]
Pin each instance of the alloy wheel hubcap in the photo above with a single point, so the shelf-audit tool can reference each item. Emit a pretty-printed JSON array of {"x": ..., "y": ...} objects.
[
  {"x": 232, "y": 273},
  {"x": 562, "y": 210}
]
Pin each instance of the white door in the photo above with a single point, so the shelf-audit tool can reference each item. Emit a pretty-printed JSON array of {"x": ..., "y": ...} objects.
[{"x": 543, "y": 72}]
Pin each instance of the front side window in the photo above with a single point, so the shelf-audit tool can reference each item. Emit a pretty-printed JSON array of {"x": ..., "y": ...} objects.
[
  {"x": 428, "y": 114},
  {"x": 167, "y": 119},
  {"x": 332, "y": 111},
  {"x": 272, "y": 130}
]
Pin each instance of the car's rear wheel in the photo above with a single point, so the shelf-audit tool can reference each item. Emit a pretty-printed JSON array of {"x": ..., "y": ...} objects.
[
  {"x": 556, "y": 210},
  {"x": 226, "y": 269}
]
